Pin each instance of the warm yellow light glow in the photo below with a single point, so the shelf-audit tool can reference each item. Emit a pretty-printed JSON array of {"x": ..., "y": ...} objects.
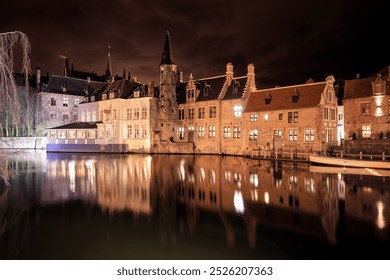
[
  {"x": 238, "y": 202},
  {"x": 72, "y": 175},
  {"x": 378, "y": 100},
  {"x": 266, "y": 198},
  {"x": 380, "y": 219},
  {"x": 367, "y": 189}
]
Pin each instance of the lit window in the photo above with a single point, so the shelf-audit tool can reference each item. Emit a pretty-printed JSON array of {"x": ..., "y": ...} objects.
[
  {"x": 201, "y": 131},
  {"x": 266, "y": 117},
  {"x": 211, "y": 131},
  {"x": 237, "y": 132},
  {"x": 293, "y": 135},
  {"x": 76, "y": 102},
  {"x": 180, "y": 132},
  {"x": 226, "y": 132},
  {"x": 237, "y": 110},
  {"x": 253, "y": 117},
  {"x": 366, "y": 131},
  {"x": 253, "y": 135},
  {"x": 365, "y": 109},
  {"x": 309, "y": 135}
]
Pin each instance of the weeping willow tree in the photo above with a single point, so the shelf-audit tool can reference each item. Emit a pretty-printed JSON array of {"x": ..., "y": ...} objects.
[{"x": 13, "y": 102}]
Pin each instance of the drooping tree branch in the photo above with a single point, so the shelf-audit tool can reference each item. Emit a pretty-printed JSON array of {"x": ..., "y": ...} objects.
[{"x": 10, "y": 103}]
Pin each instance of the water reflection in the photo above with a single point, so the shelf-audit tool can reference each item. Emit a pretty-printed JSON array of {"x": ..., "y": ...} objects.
[{"x": 235, "y": 199}]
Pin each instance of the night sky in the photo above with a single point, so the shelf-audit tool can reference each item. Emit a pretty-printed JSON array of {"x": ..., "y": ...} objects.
[{"x": 288, "y": 41}]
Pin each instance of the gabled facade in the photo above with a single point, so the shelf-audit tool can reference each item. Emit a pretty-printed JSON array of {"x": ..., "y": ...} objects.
[
  {"x": 301, "y": 117},
  {"x": 115, "y": 118},
  {"x": 367, "y": 107},
  {"x": 58, "y": 103}
]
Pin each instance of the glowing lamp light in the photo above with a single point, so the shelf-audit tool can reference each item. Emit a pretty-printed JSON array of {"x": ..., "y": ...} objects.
[
  {"x": 380, "y": 219},
  {"x": 238, "y": 202},
  {"x": 266, "y": 198}
]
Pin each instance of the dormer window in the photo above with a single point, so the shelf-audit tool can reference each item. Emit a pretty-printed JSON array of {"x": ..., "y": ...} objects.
[
  {"x": 104, "y": 96},
  {"x": 112, "y": 95},
  {"x": 63, "y": 88},
  {"x": 268, "y": 99},
  {"x": 236, "y": 87},
  {"x": 206, "y": 89},
  {"x": 378, "y": 86},
  {"x": 295, "y": 96}
]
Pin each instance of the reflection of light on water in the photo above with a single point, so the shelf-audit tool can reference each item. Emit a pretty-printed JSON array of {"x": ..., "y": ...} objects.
[
  {"x": 367, "y": 190},
  {"x": 182, "y": 171},
  {"x": 380, "y": 219},
  {"x": 254, "y": 179},
  {"x": 238, "y": 202},
  {"x": 91, "y": 171},
  {"x": 202, "y": 174},
  {"x": 72, "y": 175},
  {"x": 266, "y": 198},
  {"x": 254, "y": 195}
]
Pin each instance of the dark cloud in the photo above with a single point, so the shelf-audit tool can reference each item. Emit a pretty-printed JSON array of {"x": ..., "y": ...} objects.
[{"x": 288, "y": 41}]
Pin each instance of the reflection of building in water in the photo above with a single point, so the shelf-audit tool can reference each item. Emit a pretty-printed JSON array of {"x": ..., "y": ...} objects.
[
  {"x": 117, "y": 183},
  {"x": 367, "y": 202},
  {"x": 263, "y": 193},
  {"x": 125, "y": 184}
]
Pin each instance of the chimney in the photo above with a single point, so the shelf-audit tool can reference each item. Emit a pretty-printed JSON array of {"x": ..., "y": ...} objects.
[
  {"x": 88, "y": 80},
  {"x": 180, "y": 75},
  {"x": 38, "y": 77},
  {"x": 229, "y": 73},
  {"x": 124, "y": 73},
  {"x": 129, "y": 76},
  {"x": 151, "y": 88},
  {"x": 251, "y": 76}
]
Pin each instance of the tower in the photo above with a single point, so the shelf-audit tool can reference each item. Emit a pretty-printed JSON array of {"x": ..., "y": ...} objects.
[
  {"x": 168, "y": 107},
  {"x": 108, "y": 74}
]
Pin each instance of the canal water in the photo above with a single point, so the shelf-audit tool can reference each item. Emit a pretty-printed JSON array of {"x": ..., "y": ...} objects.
[{"x": 116, "y": 206}]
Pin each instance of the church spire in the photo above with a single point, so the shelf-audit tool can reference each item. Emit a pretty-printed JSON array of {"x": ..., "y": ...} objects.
[
  {"x": 167, "y": 56},
  {"x": 109, "y": 68}
]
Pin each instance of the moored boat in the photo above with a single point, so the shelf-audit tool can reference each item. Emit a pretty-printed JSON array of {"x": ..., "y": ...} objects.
[{"x": 349, "y": 162}]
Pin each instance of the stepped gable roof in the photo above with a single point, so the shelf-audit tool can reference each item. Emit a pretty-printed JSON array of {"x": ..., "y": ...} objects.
[
  {"x": 358, "y": 88},
  {"x": 78, "y": 125},
  {"x": 236, "y": 88},
  {"x": 72, "y": 86},
  {"x": 210, "y": 88},
  {"x": 122, "y": 88},
  {"x": 282, "y": 98}
]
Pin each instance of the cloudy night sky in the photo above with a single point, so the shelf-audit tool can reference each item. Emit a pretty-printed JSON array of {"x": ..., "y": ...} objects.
[{"x": 288, "y": 41}]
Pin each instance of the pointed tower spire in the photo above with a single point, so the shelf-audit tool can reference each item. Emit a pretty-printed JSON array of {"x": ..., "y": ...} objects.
[
  {"x": 109, "y": 68},
  {"x": 167, "y": 57}
]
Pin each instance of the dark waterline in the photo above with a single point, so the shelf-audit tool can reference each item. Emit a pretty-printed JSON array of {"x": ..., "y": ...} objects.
[{"x": 93, "y": 206}]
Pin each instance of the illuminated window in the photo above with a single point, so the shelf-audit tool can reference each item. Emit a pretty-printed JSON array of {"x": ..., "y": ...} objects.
[
  {"x": 76, "y": 102},
  {"x": 144, "y": 131},
  {"x": 65, "y": 102},
  {"x": 309, "y": 135},
  {"x": 136, "y": 131},
  {"x": 253, "y": 117},
  {"x": 52, "y": 134},
  {"x": 237, "y": 132},
  {"x": 293, "y": 135},
  {"x": 366, "y": 131},
  {"x": 365, "y": 109},
  {"x": 266, "y": 117},
  {"x": 180, "y": 132},
  {"x": 277, "y": 132},
  {"x": 129, "y": 131},
  {"x": 201, "y": 131},
  {"x": 327, "y": 135},
  {"x": 211, "y": 131},
  {"x": 253, "y": 135},
  {"x": 237, "y": 109},
  {"x": 226, "y": 132}
]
